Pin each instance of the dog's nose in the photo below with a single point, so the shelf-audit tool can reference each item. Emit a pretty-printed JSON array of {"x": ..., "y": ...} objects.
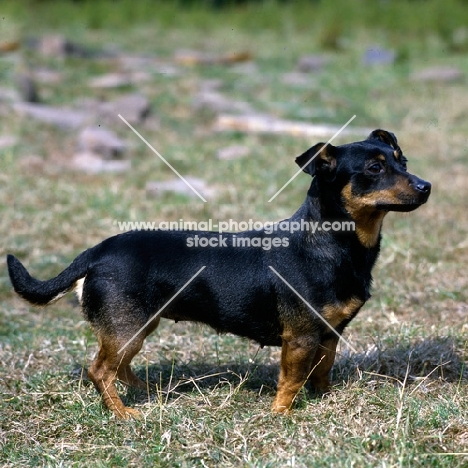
[{"x": 422, "y": 186}]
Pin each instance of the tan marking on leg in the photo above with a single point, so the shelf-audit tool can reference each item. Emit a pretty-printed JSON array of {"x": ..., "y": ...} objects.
[
  {"x": 297, "y": 354},
  {"x": 322, "y": 364},
  {"x": 109, "y": 366},
  {"x": 334, "y": 314}
]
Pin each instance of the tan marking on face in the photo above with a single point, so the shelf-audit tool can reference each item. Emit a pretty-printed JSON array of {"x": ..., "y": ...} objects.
[
  {"x": 334, "y": 314},
  {"x": 368, "y": 220},
  {"x": 397, "y": 155},
  {"x": 381, "y": 157},
  {"x": 363, "y": 209}
]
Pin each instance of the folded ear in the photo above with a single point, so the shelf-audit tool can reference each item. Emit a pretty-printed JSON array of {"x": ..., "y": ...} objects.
[
  {"x": 386, "y": 137},
  {"x": 321, "y": 157}
]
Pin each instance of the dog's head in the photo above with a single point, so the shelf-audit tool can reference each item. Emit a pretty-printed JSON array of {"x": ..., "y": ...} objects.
[
  {"x": 371, "y": 173},
  {"x": 369, "y": 177}
]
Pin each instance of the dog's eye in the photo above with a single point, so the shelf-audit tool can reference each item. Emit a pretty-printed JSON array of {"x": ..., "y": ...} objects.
[
  {"x": 403, "y": 163},
  {"x": 375, "y": 168}
]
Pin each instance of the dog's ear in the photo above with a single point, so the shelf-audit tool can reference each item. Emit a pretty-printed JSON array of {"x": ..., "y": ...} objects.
[
  {"x": 321, "y": 157},
  {"x": 386, "y": 137}
]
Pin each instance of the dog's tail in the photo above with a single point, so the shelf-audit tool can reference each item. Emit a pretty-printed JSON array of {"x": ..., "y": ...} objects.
[{"x": 46, "y": 292}]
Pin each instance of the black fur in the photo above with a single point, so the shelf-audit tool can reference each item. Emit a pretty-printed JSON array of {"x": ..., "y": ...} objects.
[{"x": 129, "y": 277}]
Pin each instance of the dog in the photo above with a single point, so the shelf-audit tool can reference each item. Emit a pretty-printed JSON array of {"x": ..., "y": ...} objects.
[{"x": 299, "y": 294}]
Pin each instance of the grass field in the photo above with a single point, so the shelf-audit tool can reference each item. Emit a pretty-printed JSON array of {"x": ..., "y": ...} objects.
[{"x": 402, "y": 399}]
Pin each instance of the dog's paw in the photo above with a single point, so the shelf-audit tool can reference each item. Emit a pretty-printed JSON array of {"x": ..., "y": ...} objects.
[
  {"x": 128, "y": 413},
  {"x": 278, "y": 408}
]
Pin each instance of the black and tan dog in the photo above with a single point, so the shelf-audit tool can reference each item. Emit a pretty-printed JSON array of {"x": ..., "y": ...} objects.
[{"x": 125, "y": 280}]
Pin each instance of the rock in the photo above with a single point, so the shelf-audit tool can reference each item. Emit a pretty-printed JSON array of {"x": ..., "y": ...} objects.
[
  {"x": 53, "y": 46},
  {"x": 99, "y": 140},
  {"x": 233, "y": 152},
  {"x": 249, "y": 68},
  {"x": 297, "y": 79},
  {"x": 193, "y": 57},
  {"x": 438, "y": 74},
  {"x": 110, "y": 80},
  {"x": 216, "y": 102},
  {"x": 132, "y": 107},
  {"x": 7, "y": 141},
  {"x": 379, "y": 56},
  {"x": 312, "y": 63},
  {"x": 151, "y": 64},
  {"x": 272, "y": 125},
  {"x": 210, "y": 85},
  {"x": 177, "y": 185},
  {"x": 8, "y": 94},
  {"x": 62, "y": 117},
  {"x": 92, "y": 163},
  {"x": 58, "y": 46},
  {"x": 47, "y": 76},
  {"x": 27, "y": 87}
]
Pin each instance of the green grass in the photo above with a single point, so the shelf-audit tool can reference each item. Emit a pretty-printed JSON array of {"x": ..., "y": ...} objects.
[{"x": 401, "y": 400}]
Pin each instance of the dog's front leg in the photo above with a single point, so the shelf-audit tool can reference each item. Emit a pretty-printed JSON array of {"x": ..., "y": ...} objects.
[
  {"x": 297, "y": 355},
  {"x": 322, "y": 364}
]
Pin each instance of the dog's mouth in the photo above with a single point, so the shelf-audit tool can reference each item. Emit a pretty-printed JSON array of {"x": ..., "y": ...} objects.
[
  {"x": 406, "y": 205},
  {"x": 405, "y": 208}
]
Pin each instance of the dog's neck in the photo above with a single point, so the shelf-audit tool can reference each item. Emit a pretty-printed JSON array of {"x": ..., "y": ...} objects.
[{"x": 325, "y": 203}]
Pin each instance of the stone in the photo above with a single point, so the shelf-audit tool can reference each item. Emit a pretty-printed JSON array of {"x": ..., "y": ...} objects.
[
  {"x": 233, "y": 152},
  {"x": 47, "y": 76},
  {"x": 194, "y": 57},
  {"x": 27, "y": 87},
  {"x": 312, "y": 63},
  {"x": 210, "y": 85},
  {"x": 92, "y": 163},
  {"x": 268, "y": 124},
  {"x": 53, "y": 45},
  {"x": 177, "y": 185},
  {"x": 379, "y": 56},
  {"x": 110, "y": 80},
  {"x": 133, "y": 107},
  {"x": 438, "y": 74},
  {"x": 7, "y": 141},
  {"x": 8, "y": 94},
  {"x": 217, "y": 102},
  {"x": 62, "y": 117},
  {"x": 58, "y": 46},
  {"x": 101, "y": 141},
  {"x": 299, "y": 79}
]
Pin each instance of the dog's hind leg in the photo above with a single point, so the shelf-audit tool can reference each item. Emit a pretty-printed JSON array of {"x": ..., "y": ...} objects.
[
  {"x": 125, "y": 374},
  {"x": 110, "y": 365}
]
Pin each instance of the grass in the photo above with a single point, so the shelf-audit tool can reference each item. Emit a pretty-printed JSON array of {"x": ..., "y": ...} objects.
[{"x": 400, "y": 401}]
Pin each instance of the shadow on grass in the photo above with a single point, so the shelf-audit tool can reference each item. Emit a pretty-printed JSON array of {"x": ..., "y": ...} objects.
[{"x": 434, "y": 359}]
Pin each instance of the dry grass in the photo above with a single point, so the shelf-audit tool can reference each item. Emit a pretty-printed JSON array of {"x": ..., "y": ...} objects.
[{"x": 400, "y": 401}]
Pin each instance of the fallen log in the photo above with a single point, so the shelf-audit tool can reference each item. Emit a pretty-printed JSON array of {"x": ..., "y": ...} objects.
[{"x": 268, "y": 124}]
